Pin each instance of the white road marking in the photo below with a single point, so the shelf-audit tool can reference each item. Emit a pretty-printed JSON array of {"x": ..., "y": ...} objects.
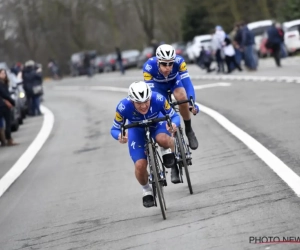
[
  {"x": 212, "y": 85},
  {"x": 24, "y": 161},
  {"x": 280, "y": 168},
  {"x": 108, "y": 88}
]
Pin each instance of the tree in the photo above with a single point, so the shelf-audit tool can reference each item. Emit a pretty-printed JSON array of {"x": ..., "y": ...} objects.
[
  {"x": 145, "y": 11},
  {"x": 195, "y": 20},
  {"x": 289, "y": 10}
]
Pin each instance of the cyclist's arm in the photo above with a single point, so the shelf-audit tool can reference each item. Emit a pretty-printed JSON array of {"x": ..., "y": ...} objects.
[
  {"x": 118, "y": 121},
  {"x": 166, "y": 109},
  {"x": 148, "y": 78},
  {"x": 186, "y": 80}
]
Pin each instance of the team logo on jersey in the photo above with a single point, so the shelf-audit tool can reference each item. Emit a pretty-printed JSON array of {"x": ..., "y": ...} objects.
[
  {"x": 135, "y": 113},
  {"x": 182, "y": 67},
  {"x": 121, "y": 107},
  {"x": 177, "y": 59},
  {"x": 159, "y": 97},
  {"x": 167, "y": 105},
  {"x": 147, "y": 76},
  {"x": 118, "y": 117},
  {"x": 148, "y": 67}
]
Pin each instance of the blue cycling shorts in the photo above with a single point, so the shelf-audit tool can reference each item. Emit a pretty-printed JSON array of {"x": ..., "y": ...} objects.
[
  {"x": 163, "y": 88},
  {"x": 137, "y": 140}
]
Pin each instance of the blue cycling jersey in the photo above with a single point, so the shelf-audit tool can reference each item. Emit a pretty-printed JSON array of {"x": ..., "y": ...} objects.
[
  {"x": 179, "y": 77},
  {"x": 159, "y": 107},
  {"x": 125, "y": 110}
]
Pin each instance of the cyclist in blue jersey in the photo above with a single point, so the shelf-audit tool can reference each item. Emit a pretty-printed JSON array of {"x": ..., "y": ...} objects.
[
  {"x": 167, "y": 71},
  {"x": 142, "y": 104}
]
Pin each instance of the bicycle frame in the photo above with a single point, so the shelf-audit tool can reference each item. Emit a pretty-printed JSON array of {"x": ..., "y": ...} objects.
[
  {"x": 182, "y": 151},
  {"x": 156, "y": 170}
]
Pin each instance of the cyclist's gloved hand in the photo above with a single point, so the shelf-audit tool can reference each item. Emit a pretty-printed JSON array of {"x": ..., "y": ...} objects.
[
  {"x": 195, "y": 110},
  {"x": 123, "y": 139},
  {"x": 173, "y": 129}
]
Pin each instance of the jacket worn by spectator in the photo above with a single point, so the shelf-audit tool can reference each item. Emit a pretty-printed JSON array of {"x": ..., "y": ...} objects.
[
  {"x": 274, "y": 35},
  {"x": 4, "y": 95},
  {"x": 32, "y": 81},
  {"x": 247, "y": 37},
  {"x": 238, "y": 37}
]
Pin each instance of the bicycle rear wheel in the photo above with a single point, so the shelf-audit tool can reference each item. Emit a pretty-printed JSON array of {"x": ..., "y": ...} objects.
[
  {"x": 179, "y": 138},
  {"x": 159, "y": 191}
]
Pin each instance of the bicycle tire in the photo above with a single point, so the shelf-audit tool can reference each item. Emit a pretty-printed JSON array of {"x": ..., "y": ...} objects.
[
  {"x": 161, "y": 198},
  {"x": 179, "y": 138}
]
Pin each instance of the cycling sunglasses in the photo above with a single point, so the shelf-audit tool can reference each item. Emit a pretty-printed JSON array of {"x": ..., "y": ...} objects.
[{"x": 165, "y": 64}]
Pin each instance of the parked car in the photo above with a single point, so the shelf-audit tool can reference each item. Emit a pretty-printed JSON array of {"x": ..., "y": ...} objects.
[
  {"x": 180, "y": 48},
  {"x": 292, "y": 35},
  {"x": 21, "y": 100},
  {"x": 263, "y": 50},
  {"x": 129, "y": 58},
  {"x": 189, "y": 50},
  {"x": 77, "y": 63},
  {"x": 144, "y": 56},
  {"x": 259, "y": 28},
  {"x": 195, "y": 48},
  {"x": 100, "y": 63},
  {"x": 110, "y": 62}
]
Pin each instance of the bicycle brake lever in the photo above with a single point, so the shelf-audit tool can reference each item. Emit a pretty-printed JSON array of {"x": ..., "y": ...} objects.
[{"x": 193, "y": 104}]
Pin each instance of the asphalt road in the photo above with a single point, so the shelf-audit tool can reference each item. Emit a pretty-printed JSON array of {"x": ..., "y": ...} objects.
[{"x": 80, "y": 191}]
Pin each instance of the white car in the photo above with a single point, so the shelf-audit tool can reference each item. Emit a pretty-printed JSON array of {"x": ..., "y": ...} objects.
[
  {"x": 194, "y": 49},
  {"x": 259, "y": 28},
  {"x": 292, "y": 35}
]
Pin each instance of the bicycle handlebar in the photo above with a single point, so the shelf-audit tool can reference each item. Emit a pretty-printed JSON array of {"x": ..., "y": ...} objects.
[
  {"x": 146, "y": 123},
  {"x": 191, "y": 101}
]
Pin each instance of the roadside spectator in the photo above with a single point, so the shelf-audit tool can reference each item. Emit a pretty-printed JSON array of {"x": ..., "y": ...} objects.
[
  {"x": 275, "y": 39},
  {"x": 87, "y": 64},
  {"x": 53, "y": 67},
  {"x": 6, "y": 104},
  {"x": 120, "y": 61},
  {"x": 230, "y": 56},
  {"x": 283, "y": 51},
  {"x": 205, "y": 59},
  {"x": 248, "y": 47},
  {"x": 217, "y": 44},
  {"x": 2, "y": 133},
  {"x": 236, "y": 42},
  {"x": 17, "y": 68},
  {"x": 32, "y": 82}
]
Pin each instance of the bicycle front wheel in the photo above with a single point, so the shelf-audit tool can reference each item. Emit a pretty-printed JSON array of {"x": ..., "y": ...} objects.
[
  {"x": 159, "y": 191},
  {"x": 179, "y": 138}
]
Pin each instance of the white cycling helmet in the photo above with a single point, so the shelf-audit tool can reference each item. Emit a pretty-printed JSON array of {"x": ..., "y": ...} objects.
[
  {"x": 165, "y": 52},
  {"x": 139, "y": 92}
]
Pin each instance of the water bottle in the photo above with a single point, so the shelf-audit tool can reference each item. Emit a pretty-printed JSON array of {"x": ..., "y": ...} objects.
[
  {"x": 161, "y": 175},
  {"x": 150, "y": 178}
]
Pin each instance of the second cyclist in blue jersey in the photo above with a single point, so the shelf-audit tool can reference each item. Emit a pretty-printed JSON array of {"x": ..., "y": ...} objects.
[{"x": 167, "y": 71}]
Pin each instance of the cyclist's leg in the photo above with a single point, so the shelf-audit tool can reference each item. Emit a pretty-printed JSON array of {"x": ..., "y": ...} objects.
[
  {"x": 164, "y": 139},
  {"x": 166, "y": 142},
  {"x": 180, "y": 95},
  {"x": 161, "y": 88},
  {"x": 136, "y": 145}
]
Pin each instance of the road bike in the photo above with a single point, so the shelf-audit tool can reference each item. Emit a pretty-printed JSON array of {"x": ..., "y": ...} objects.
[{"x": 157, "y": 171}]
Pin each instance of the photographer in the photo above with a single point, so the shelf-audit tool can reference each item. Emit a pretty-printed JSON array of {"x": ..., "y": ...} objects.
[{"x": 32, "y": 82}]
